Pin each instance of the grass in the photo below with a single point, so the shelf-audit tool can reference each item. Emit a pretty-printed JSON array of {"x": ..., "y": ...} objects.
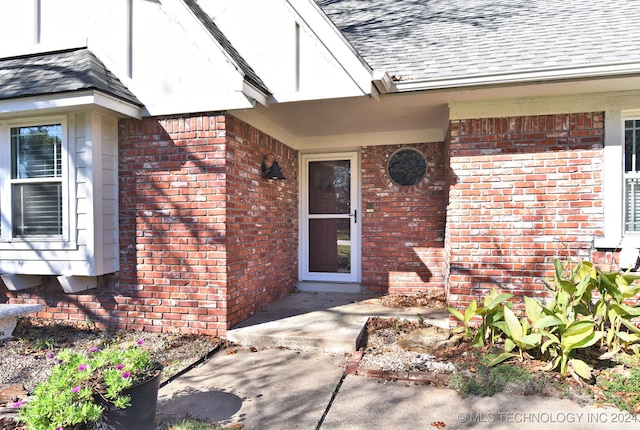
[
  {"x": 484, "y": 380},
  {"x": 620, "y": 385},
  {"x": 189, "y": 423}
]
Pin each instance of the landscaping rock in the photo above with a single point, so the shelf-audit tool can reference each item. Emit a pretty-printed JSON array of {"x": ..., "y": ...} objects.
[
  {"x": 12, "y": 393},
  {"x": 424, "y": 340}
]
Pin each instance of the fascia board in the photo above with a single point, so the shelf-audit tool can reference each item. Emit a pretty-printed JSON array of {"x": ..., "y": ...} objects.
[
  {"x": 334, "y": 41},
  {"x": 69, "y": 101},
  {"x": 568, "y": 73},
  {"x": 252, "y": 93},
  {"x": 523, "y": 106}
]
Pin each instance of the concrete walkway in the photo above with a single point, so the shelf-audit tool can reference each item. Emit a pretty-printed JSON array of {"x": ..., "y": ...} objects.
[
  {"x": 269, "y": 387},
  {"x": 322, "y": 322},
  {"x": 285, "y": 389}
]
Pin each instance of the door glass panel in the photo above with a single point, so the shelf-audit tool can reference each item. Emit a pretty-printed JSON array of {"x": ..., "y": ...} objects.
[
  {"x": 330, "y": 187},
  {"x": 330, "y": 245}
]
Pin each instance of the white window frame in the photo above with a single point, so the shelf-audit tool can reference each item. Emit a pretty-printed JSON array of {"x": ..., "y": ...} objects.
[
  {"x": 615, "y": 236},
  {"x": 40, "y": 242}
]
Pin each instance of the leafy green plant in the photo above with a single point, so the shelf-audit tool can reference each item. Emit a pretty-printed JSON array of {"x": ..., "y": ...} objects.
[
  {"x": 70, "y": 394},
  {"x": 490, "y": 313},
  {"x": 518, "y": 335},
  {"x": 571, "y": 319},
  {"x": 612, "y": 315}
]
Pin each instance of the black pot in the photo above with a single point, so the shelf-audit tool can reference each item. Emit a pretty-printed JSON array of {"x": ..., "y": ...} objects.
[{"x": 141, "y": 415}]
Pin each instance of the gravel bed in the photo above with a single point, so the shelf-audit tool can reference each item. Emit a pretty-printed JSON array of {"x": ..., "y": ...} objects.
[
  {"x": 29, "y": 357},
  {"x": 382, "y": 352}
]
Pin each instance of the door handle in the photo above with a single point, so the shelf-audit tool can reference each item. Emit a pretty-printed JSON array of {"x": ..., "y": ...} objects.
[{"x": 355, "y": 216}]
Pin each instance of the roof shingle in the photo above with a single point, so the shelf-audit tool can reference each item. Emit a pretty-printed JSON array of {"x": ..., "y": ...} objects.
[
  {"x": 59, "y": 72},
  {"x": 443, "y": 39}
]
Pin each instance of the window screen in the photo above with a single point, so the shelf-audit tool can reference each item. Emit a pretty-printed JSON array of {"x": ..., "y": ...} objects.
[
  {"x": 36, "y": 178},
  {"x": 632, "y": 174}
]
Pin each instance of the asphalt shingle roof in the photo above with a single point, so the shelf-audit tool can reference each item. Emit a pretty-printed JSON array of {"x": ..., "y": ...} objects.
[
  {"x": 59, "y": 72},
  {"x": 442, "y": 39}
]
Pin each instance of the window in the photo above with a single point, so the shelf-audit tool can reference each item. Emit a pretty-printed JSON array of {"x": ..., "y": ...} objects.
[
  {"x": 36, "y": 180},
  {"x": 407, "y": 166},
  {"x": 621, "y": 180},
  {"x": 32, "y": 185},
  {"x": 632, "y": 175}
]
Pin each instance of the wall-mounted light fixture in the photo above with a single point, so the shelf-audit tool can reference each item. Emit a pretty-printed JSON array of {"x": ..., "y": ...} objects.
[{"x": 271, "y": 168}]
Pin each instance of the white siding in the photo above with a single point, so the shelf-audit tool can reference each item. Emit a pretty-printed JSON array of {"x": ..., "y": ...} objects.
[{"x": 90, "y": 243}]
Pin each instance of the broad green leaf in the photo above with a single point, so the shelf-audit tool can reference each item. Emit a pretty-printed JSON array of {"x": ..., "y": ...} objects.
[
  {"x": 567, "y": 287},
  {"x": 502, "y": 325},
  {"x": 626, "y": 310},
  {"x": 582, "y": 288},
  {"x": 599, "y": 309},
  {"x": 502, "y": 357},
  {"x": 498, "y": 300},
  {"x": 581, "y": 368},
  {"x": 575, "y": 333},
  {"x": 627, "y": 337},
  {"x": 532, "y": 309},
  {"x": 515, "y": 329},
  {"x": 478, "y": 339},
  {"x": 548, "y": 321},
  {"x": 547, "y": 344},
  {"x": 509, "y": 345},
  {"x": 631, "y": 326},
  {"x": 595, "y": 337},
  {"x": 558, "y": 266},
  {"x": 552, "y": 364},
  {"x": 531, "y": 340},
  {"x": 610, "y": 334},
  {"x": 630, "y": 287},
  {"x": 470, "y": 311},
  {"x": 607, "y": 284},
  {"x": 456, "y": 313},
  {"x": 584, "y": 270}
]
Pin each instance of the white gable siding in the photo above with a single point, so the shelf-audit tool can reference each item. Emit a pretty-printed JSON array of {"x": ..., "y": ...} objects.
[
  {"x": 286, "y": 52},
  {"x": 159, "y": 50}
]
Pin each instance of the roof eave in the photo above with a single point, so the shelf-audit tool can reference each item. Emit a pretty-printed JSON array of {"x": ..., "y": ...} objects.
[
  {"x": 527, "y": 76},
  {"x": 70, "y": 100}
]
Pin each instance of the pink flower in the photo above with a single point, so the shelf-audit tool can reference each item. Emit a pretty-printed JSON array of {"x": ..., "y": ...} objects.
[
  {"x": 49, "y": 355},
  {"x": 18, "y": 404},
  {"x": 140, "y": 342},
  {"x": 82, "y": 368},
  {"x": 76, "y": 389},
  {"x": 120, "y": 366},
  {"x": 126, "y": 375},
  {"x": 94, "y": 349}
]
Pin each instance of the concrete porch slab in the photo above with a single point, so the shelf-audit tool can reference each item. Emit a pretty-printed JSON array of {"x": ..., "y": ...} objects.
[{"x": 321, "y": 322}]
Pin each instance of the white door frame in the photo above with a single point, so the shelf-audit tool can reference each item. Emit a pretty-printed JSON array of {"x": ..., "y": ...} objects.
[{"x": 356, "y": 224}]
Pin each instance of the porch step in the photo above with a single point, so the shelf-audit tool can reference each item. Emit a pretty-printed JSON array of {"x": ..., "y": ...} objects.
[
  {"x": 321, "y": 322},
  {"x": 329, "y": 287}
]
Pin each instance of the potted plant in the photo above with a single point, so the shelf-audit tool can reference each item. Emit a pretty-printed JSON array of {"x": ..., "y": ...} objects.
[{"x": 111, "y": 388}]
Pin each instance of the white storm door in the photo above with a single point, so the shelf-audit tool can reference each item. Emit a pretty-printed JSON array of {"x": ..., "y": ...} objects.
[{"x": 330, "y": 222}]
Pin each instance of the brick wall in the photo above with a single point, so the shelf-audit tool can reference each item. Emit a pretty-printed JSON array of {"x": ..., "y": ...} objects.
[
  {"x": 523, "y": 191},
  {"x": 205, "y": 242},
  {"x": 262, "y": 222},
  {"x": 403, "y": 238}
]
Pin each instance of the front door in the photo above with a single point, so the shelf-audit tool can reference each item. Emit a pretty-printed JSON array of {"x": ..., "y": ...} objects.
[{"x": 330, "y": 233}]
